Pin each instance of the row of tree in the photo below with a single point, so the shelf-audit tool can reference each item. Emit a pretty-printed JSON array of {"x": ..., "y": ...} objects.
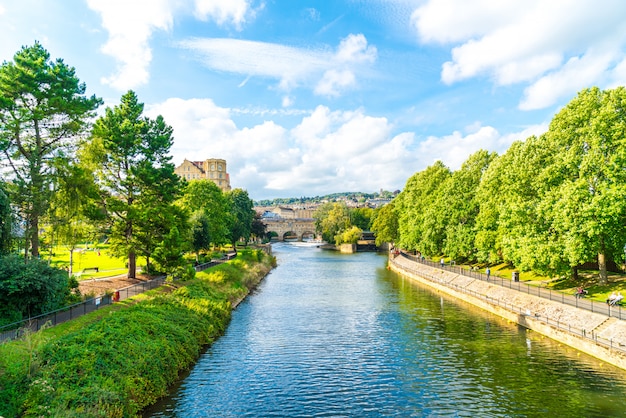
[
  {"x": 548, "y": 204},
  {"x": 114, "y": 176},
  {"x": 338, "y": 223}
]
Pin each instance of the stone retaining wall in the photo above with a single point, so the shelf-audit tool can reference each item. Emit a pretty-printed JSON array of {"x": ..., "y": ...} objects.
[{"x": 589, "y": 332}]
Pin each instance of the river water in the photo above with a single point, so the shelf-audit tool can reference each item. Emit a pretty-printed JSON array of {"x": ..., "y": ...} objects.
[{"x": 336, "y": 335}]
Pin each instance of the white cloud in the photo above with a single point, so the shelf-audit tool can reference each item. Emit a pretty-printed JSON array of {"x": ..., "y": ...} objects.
[
  {"x": 287, "y": 101},
  {"x": 577, "y": 73},
  {"x": 333, "y": 82},
  {"x": 454, "y": 149},
  {"x": 223, "y": 11},
  {"x": 331, "y": 71},
  {"x": 542, "y": 43},
  {"x": 326, "y": 152},
  {"x": 311, "y": 14},
  {"x": 130, "y": 25},
  {"x": 354, "y": 49}
]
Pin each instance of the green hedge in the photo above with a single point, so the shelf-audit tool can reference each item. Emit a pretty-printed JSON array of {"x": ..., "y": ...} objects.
[{"x": 119, "y": 364}]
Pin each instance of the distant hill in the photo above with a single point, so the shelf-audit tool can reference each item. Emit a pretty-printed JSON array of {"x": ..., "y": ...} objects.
[{"x": 355, "y": 196}]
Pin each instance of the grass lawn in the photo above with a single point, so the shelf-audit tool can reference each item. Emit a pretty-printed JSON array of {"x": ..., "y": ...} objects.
[
  {"x": 588, "y": 279},
  {"x": 87, "y": 257}
]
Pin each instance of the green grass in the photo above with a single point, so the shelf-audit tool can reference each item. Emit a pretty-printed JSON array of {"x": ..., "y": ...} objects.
[
  {"x": 115, "y": 361},
  {"x": 587, "y": 279}
]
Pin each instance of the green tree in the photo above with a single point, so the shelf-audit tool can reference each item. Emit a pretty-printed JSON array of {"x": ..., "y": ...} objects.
[
  {"x": 417, "y": 229},
  {"x": 362, "y": 217},
  {"x": 70, "y": 206},
  {"x": 385, "y": 224},
  {"x": 331, "y": 219},
  {"x": 207, "y": 197},
  {"x": 168, "y": 255},
  {"x": 587, "y": 173},
  {"x": 458, "y": 206},
  {"x": 200, "y": 233},
  {"x": 6, "y": 221},
  {"x": 351, "y": 235},
  {"x": 30, "y": 289},
  {"x": 43, "y": 111},
  {"x": 241, "y": 215},
  {"x": 130, "y": 155}
]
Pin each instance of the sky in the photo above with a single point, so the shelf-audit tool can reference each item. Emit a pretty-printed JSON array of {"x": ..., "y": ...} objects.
[{"x": 306, "y": 98}]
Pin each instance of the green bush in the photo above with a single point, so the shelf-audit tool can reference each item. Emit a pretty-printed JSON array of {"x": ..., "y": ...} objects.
[
  {"x": 30, "y": 288},
  {"x": 117, "y": 365}
]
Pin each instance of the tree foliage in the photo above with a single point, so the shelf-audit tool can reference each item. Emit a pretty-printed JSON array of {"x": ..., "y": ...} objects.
[
  {"x": 30, "y": 288},
  {"x": 241, "y": 215},
  {"x": 206, "y": 197},
  {"x": 43, "y": 111},
  {"x": 6, "y": 221},
  {"x": 349, "y": 236},
  {"x": 385, "y": 224},
  {"x": 331, "y": 219},
  {"x": 548, "y": 204},
  {"x": 138, "y": 186}
]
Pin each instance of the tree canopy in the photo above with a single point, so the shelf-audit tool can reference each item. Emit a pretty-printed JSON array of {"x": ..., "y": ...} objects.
[
  {"x": 138, "y": 186},
  {"x": 43, "y": 113},
  {"x": 549, "y": 203}
]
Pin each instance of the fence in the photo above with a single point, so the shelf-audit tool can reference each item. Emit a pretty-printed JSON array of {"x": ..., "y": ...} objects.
[
  {"x": 589, "y": 305},
  {"x": 74, "y": 311},
  {"x": 16, "y": 329}
]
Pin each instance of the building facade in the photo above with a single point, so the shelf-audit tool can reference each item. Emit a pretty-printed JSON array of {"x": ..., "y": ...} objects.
[{"x": 213, "y": 169}]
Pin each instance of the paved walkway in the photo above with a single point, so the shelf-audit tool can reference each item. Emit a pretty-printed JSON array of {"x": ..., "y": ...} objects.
[
  {"x": 571, "y": 300},
  {"x": 591, "y": 327}
]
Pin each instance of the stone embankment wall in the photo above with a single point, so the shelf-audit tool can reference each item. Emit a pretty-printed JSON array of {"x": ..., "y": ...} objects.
[{"x": 592, "y": 333}]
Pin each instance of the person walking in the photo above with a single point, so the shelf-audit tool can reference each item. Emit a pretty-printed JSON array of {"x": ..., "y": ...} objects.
[
  {"x": 443, "y": 262},
  {"x": 488, "y": 272}
]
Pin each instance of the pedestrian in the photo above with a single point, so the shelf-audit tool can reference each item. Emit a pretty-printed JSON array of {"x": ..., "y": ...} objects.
[
  {"x": 443, "y": 262},
  {"x": 488, "y": 272}
]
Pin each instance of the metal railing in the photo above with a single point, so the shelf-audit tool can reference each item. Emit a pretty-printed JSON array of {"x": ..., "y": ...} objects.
[
  {"x": 15, "y": 330},
  {"x": 589, "y": 305},
  {"x": 603, "y": 308}
]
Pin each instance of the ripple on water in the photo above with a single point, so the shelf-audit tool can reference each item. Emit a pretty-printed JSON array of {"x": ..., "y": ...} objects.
[{"x": 339, "y": 336}]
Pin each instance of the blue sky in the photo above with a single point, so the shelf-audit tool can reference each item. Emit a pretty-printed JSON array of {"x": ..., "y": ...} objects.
[{"x": 305, "y": 98}]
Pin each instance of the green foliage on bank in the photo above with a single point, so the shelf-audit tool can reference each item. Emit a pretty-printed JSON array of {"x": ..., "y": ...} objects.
[
  {"x": 31, "y": 288},
  {"x": 123, "y": 358},
  {"x": 550, "y": 204}
]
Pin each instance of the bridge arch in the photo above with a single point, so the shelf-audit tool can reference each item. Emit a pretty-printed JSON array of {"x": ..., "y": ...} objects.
[{"x": 297, "y": 227}]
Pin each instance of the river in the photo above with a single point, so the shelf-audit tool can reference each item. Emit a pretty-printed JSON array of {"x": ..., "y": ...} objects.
[{"x": 337, "y": 335}]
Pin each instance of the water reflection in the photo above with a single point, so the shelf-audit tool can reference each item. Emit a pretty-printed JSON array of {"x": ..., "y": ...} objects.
[{"x": 339, "y": 335}]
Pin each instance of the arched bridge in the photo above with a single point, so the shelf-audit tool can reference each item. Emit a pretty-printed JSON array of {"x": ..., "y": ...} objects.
[{"x": 297, "y": 228}]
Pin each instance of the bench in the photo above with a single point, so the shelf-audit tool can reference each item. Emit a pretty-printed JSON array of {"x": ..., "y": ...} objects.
[{"x": 90, "y": 268}]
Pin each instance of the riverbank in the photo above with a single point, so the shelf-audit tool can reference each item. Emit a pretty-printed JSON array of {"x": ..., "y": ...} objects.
[
  {"x": 122, "y": 358},
  {"x": 592, "y": 333}
]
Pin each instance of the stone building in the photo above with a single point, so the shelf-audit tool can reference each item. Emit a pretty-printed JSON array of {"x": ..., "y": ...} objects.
[{"x": 212, "y": 169}]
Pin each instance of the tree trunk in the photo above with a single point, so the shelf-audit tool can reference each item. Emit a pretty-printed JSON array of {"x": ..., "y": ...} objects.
[
  {"x": 575, "y": 273},
  {"x": 34, "y": 240},
  {"x": 604, "y": 279},
  {"x": 71, "y": 269},
  {"x": 132, "y": 265}
]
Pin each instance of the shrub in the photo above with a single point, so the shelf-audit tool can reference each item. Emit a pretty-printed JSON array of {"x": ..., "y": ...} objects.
[{"x": 30, "y": 288}]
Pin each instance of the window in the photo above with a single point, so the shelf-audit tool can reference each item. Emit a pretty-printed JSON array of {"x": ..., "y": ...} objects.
[
  {"x": 219, "y": 167},
  {"x": 212, "y": 167}
]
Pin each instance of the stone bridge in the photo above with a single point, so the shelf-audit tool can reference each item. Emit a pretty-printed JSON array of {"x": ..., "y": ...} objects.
[{"x": 292, "y": 229}]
